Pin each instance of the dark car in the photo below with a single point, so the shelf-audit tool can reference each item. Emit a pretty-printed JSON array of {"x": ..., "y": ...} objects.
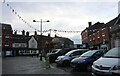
[
  {"x": 65, "y": 59},
  {"x": 53, "y": 56},
  {"x": 85, "y": 61}
]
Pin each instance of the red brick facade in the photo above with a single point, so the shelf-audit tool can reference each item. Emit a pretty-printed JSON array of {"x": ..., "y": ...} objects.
[{"x": 95, "y": 36}]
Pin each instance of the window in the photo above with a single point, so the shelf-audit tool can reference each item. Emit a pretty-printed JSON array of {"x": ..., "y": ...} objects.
[
  {"x": 15, "y": 44},
  {"x": 3, "y": 27},
  {"x": 98, "y": 34},
  {"x": 23, "y": 45},
  {"x": 99, "y": 53},
  {"x": 6, "y": 36},
  {"x": 103, "y": 35},
  {"x": 6, "y": 43}
]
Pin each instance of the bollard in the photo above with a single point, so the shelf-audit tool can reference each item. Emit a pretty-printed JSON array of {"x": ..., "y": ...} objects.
[{"x": 47, "y": 65}]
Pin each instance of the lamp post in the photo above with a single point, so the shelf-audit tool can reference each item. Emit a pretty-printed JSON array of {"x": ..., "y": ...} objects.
[{"x": 41, "y": 21}]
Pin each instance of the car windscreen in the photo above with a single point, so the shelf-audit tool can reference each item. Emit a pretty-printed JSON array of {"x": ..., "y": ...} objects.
[
  {"x": 58, "y": 50},
  {"x": 68, "y": 53},
  {"x": 113, "y": 53},
  {"x": 54, "y": 50},
  {"x": 88, "y": 53}
]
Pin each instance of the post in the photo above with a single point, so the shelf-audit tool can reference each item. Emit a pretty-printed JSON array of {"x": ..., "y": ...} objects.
[
  {"x": 41, "y": 52},
  {"x": 41, "y": 27}
]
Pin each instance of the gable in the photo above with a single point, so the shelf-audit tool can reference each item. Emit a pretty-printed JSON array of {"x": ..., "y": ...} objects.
[{"x": 32, "y": 43}]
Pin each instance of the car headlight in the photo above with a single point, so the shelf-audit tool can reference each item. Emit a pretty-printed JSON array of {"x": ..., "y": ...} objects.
[
  {"x": 94, "y": 63},
  {"x": 116, "y": 67}
]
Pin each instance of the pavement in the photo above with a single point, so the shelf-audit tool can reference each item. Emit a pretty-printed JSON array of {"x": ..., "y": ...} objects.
[{"x": 27, "y": 65}]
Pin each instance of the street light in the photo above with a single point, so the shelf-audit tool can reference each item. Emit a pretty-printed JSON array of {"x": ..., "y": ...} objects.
[{"x": 41, "y": 21}]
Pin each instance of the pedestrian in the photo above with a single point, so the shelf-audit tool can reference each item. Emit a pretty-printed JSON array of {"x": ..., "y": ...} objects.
[{"x": 41, "y": 55}]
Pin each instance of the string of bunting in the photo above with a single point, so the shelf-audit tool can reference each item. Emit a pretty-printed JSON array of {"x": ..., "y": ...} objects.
[
  {"x": 19, "y": 17},
  {"x": 54, "y": 30},
  {"x": 64, "y": 31},
  {"x": 23, "y": 20}
]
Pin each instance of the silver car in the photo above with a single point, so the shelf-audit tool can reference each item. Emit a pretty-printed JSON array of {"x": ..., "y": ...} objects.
[
  {"x": 108, "y": 64},
  {"x": 65, "y": 59}
]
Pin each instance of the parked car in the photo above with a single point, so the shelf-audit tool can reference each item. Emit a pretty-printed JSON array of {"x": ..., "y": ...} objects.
[
  {"x": 54, "y": 50},
  {"x": 53, "y": 56},
  {"x": 65, "y": 59},
  {"x": 108, "y": 64},
  {"x": 85, "y": 61},
  {"x": 116, "y": 72}
]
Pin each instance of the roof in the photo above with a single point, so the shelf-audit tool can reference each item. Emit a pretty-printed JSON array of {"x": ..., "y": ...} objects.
[
  {"x": 84, "y": 30},
  {"x": 24, "y": 38},
  {"x": 65, "y": 40},
  {"x": 6, "y": 26},
  {"x": 112, "y": 22},
  {"x": 20, "y": 39},
  {"x": 96, "y": 26}
]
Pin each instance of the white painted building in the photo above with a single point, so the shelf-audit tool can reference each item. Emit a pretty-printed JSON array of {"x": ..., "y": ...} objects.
[{"x": 32, "y": 43}]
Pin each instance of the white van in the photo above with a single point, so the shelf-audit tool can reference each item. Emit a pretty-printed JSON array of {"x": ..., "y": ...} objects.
[{"x": 108, "y": 64}]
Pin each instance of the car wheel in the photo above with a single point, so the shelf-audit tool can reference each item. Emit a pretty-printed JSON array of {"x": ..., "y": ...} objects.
[
  {"x": 89, "y": 67},
  {"x": 66, "y": 63}
]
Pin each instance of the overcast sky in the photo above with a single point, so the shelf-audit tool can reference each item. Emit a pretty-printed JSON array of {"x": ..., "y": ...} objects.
[{"x": 63, "y": 15}]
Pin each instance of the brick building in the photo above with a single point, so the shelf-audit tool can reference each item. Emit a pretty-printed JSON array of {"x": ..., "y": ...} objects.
[
  {"x": 25, "y": 44},
  {"x": 6, "y": 39},
  {"x": 96, "y": 36},
  {"x": 100, "y": 35}
]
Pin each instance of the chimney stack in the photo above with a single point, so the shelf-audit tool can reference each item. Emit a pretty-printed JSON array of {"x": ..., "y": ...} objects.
[
  {"x": 35, "y": 33},
  {"x": 23, "y": 32},
  {"x": 27, "y": 33},
  {"x": 49, "y": 35},
  {"x": 90, "y": 24},
  {"x": 15, "y": 32}
]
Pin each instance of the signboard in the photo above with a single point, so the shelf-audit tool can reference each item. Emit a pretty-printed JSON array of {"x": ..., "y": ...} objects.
[{"x": 8, "y": 53}]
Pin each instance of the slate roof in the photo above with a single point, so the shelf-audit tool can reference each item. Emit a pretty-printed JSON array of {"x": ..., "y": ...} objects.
[
  {"x": 24, "y": 38},
  {"x": 20, "y": 38},
  {"x": 96, "y": 26},
  {"x": 6, "y": 26},
  {"x": 65, "y": 40},
  {"x": 112, "y": 22}
]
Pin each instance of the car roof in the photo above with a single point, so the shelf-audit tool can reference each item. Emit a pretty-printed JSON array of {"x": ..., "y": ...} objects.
[{"x": 77, "y": 50}]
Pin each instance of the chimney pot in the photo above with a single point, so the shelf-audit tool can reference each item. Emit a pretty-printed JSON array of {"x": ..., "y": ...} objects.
[{"x": 90, "y": 24}]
